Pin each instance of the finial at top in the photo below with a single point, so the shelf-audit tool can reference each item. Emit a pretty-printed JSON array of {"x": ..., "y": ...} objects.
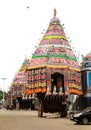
[{"x": 55, "y": 12}]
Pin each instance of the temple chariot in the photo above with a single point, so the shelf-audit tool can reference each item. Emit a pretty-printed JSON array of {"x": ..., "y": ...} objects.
[{"x": 52, "y": 74}]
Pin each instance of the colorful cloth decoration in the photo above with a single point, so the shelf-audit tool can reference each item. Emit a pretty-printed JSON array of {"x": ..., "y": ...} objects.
[{"x": 53, "y": 55}]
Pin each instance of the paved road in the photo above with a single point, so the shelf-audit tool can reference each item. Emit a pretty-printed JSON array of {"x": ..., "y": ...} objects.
[{"x": 28, "y": 120}]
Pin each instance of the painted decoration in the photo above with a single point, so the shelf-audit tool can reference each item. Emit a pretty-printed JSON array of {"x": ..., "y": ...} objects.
[{"x": 53, "y": 55}]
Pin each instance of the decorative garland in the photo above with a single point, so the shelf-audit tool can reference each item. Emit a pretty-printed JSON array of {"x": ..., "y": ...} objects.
[
  {"x": 55, "y": 56},
  {"x": 75, "y": 91},
  {"x": 54, "y": 37},
  {"x": 36, "y": 90},
  {"x": 52, "y": 66},
  {"x": 75, "y": 86},
  {"x": 19, "y": 84}
]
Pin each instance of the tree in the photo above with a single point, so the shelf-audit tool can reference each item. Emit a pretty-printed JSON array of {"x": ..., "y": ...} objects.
[{"x": 1, "y": 94}]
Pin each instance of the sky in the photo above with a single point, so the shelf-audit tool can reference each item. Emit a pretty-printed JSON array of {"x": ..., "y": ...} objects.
[{"x": 22, "y": 28}]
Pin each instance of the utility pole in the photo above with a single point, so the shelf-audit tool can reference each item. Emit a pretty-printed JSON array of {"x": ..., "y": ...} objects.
[{"x": 3, "y": 88}]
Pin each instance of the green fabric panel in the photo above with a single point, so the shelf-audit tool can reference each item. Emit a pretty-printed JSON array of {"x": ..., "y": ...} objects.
[{"x": 56, "y": 56}]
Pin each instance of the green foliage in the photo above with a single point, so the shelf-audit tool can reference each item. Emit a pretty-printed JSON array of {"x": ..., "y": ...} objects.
[{"x": 1, "y": 94}]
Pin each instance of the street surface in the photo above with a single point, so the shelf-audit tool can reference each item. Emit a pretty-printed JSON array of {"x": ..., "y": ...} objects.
[{"x": 28, "y": 120}]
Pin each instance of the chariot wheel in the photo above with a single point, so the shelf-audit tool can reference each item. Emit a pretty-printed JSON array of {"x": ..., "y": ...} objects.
[{"x": 63, "y": 112}]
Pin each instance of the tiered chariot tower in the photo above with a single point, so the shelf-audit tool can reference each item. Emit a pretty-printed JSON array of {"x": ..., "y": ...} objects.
[{"x": 53, "y": 72}]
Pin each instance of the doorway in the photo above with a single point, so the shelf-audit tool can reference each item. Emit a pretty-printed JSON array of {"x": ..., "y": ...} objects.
[{"x": 57, "y": 80}]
